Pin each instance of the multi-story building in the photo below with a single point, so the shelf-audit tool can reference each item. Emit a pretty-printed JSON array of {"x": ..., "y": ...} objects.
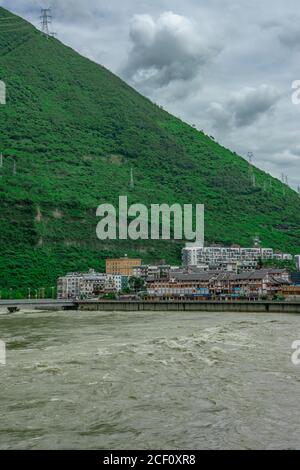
[
  {"x": 121, "y": 282},
  {"x": 283, "y": 256},
  {"x": 180, "y": 286},
  {"x": 296, "y": 278},
  {"x": 291, "y": 293},
  {"x": 123, "y": 266},
  {"x": 254, "y": 285},
  {"x": 91, "y": 284},
  {"x": 216, "y": 285},
  {"x": 154, "y": 271},
  {"x": 68, "y": 287},
  {"x": 217, "y": 257}
]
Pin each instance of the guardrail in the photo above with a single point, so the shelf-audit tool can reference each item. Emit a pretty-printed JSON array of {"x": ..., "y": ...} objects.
[{"x": 38, "y": 303}]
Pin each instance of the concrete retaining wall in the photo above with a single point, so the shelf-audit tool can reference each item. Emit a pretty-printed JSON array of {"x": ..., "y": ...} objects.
[{"x": 272, "y": 307}]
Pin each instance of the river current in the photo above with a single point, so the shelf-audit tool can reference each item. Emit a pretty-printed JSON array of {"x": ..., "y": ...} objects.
[{"x": 96, "y": 380}]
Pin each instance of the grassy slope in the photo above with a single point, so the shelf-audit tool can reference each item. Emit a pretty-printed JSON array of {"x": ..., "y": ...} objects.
[{"x": 75, "y": 131}]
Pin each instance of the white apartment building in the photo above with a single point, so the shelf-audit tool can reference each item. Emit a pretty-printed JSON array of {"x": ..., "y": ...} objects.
[
  {"x": 154, "y": 271},
  {"x": 68, "y": 287},
  {"x": 76, "y": 285},
  {"x": 92, "y": 281},
  {"x": 216, "y": 256},
  {"x": 283, "y": 257}
]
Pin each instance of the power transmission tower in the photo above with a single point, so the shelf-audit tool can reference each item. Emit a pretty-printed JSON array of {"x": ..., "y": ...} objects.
[
  {"x": 251, "y": 172},
  {"x": 1, "y": 160},
  {"x": 256, "y": 241},
  {"x": 283, "y": 181},
  {"x": 250, "y": 157},
  {"x": 131, "y": 179},
  {"x": 46, "y": 20}
]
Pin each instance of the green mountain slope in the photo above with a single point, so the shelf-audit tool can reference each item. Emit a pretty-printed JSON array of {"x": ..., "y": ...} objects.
[{"x": 74, "y": 131}]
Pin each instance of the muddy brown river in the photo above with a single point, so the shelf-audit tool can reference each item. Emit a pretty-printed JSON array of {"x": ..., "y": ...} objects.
[{"x": 85, "y": 380}]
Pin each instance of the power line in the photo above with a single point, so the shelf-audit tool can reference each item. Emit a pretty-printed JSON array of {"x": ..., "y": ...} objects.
[{"x": 251, "y": 169}]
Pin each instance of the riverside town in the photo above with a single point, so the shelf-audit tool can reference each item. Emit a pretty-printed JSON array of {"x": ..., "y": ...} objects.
[{"x": 206, "y": 273}]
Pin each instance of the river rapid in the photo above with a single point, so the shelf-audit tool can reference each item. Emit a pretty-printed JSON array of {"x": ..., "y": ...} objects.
[{"x": 164, "y": 380}]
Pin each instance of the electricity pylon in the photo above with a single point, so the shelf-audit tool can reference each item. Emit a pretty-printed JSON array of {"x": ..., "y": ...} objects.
[
  {"x": 46, "y": 20},
  {"x": 131, "y": 179}
]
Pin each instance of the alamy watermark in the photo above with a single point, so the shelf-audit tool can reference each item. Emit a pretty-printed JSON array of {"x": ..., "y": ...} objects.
[
  {"x": 296, "y": 354},
  {"x": 2, "y": 353},
  {"x": 2, "y": 93},
  {"x": 296, "y": 93},
  {"x": 138, "y": 222}
]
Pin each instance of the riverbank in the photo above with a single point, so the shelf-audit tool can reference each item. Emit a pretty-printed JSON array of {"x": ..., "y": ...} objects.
[
  {"x": 148, "y": 306},
  {"x": 186, "y": 306}
]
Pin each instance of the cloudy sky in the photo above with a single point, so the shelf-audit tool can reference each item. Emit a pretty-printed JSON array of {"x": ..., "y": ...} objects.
[{"x": 226, "y": 66}]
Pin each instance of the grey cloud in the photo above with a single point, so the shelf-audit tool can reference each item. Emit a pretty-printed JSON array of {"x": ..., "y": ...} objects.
[
  {"x": 250, "y": 103},
  {"x": 290, "y": 36},
  {"x": 284, "y": 159},
  {"x": 76, "y": 11},
  {"x": 68, "y": 12},
  {"x": 220, "y": 115},
  {"x": 165, "y": 50},
  {"x": 243, "y": 108},
  {"x": 286, "y": 30}
]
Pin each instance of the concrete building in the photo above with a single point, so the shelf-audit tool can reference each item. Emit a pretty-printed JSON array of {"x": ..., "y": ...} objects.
[
  {"x": 123, "y": 266},
  {"x": 89, "y": 285},
  {"x": 68, "y": 287},
  {"x": 218, "y": 257},
  {"x": 283, "y": 257},
  {"x": 297, "y": 260},
  {"x": 154, "y": 271},
  {"x": 91, "y": 282}
]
